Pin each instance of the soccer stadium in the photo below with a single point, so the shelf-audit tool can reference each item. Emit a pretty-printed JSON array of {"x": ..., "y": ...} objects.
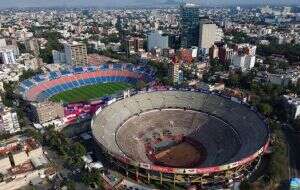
[
  {"x": 83, "y": 83},
  {"x": 182, "y": 138}
]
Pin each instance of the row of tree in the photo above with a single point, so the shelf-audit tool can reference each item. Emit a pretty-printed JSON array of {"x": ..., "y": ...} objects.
[
  {"x": 275, "y": 164},
  {"x": 290, "y": 51},
  {"x": 52, "y": 44},
  {"x": 71, "y": 153}
]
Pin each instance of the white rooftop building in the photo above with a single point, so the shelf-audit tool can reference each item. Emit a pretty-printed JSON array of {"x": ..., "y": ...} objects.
[
  {"x": 156, "y": 39},
  {"x": 7, "y": 56},
  {"x": 58, "y": 57},
  {"x": 9, "y": 121},
  {"x": 242, "y": 62},
  {"x": 294, "y": 106}
]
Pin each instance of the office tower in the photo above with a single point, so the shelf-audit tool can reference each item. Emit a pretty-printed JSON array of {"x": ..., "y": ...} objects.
[
  {"x": 242, "y": 62},
  {"x": 225, "y": 54},
  {"x": 156, "y": 39},
  {"x": 133, "y": 45},
  {"x": 207, "y": 34},
  {"x": 7, "y": 56},
  {"x": 138, "y": 44},
  {"x": 58, "y": 57},
  {"x": 189, "y": 14},
  {"x": 213, "y": 52},
  {"x": 175, "y": 73},
  {"x": 76, "y": 54},
  {"x": 2, "y": 42},
  {"x": 32, "y": 45}
]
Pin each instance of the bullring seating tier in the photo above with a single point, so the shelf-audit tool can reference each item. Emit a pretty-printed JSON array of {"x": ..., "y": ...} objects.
[{"x": 229, "y": 131}]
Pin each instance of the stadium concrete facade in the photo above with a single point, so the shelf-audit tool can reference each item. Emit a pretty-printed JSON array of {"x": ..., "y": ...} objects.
[{"x": 182, "y": 137}]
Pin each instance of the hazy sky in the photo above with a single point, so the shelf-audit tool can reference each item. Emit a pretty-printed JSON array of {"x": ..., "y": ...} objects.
[{"x": 118, "y": 3}]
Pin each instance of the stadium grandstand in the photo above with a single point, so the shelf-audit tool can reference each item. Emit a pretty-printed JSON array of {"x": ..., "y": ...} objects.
[
  {"x": 182, "y": 137},
  {"x": 42, "y": 87}
]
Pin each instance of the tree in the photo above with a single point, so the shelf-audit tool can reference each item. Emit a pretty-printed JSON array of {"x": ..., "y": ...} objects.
[
  {"x": 52, "y": 44},
  {"x": 265, "y": 108},
  {"x": 245, "y": 186},
  {"x": 9, "y": 96},
  {"x": 238, "y": 37},
  {"x": 78, "y": 149},
  {"x": 290, "y": 51},
  {"x": 35, "y": 134},
  {"x": 70, "y": 185},
  {"x": 29, "y": 73},
  {"x": 93, "y": 176},
  {"x": 1, "y": 177},
  {"x": 216, "y": 65},
  {"x": 161, "y": 69},
  {"x": 277, "y": 168},
  {"x": 233, "y": 80},
  {"x": 296, "y": 124},
  {"x": 46, "y": 55}
]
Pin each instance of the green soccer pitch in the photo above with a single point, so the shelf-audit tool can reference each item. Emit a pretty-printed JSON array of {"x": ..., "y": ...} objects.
[{"x": 90, "y": 92}]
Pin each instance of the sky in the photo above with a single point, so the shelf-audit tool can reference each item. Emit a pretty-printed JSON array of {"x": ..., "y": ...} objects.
[{"x": 121, "y": 3}]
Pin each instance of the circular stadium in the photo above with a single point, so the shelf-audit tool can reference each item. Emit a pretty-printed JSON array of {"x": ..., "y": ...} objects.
[
  {"x": 46, "y": 86},
  {"x": 182, "y": 137}
]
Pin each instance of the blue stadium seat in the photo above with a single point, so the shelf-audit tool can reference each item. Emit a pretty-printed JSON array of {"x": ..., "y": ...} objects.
[
  {"x": 78, "y": 70},
  {"x": 38, "y": 78},
  {"x": 21, "y": 89},
  {"x": 117, "y": 66},
  {"x": 65, "y": 72},
  {"x": 104, "y": 67},
  {"x": 76, "y": 84},
  {"x": 53, "y": 75},
  {"x": 90, "y": 69},
  {"x": 81, "y": 82},
  {"x": 28, "y": 83},
  {"x": 129, "y": 67}
]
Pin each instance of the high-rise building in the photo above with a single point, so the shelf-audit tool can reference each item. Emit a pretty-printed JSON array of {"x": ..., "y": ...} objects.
[
  {"x": 76, "y": 54},
  {"x": 214, "y": 52},
  {"x": 292, "y": 104},
  {"x": 297, "y": 16},
  {"x": 129, "y": 45},
  {"x": 175, "y": 74},
  {"x": 32, "y": 45},
  {"x": 174, "y": 41},
  {"x": 242, "y": 62},
  {"x": 156, "y": 39},
  {"x": 47, "y": 111},
  {"x": 9, "y": 122},
  {"x": 225, "y": 54},
  {"x": 133, "y": 45},
  {"x": 2, "y": 42},
  {"x": 207, "y": 35},
  {"x": 58, "y": 57},
  {"x": 138, "y": 44},
  {"x": 189, "y": 15},
  {"x": 7, "y": 56}
]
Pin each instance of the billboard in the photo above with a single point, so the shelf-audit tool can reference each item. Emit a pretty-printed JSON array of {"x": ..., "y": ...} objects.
[
  {"x": 78, "y": 112},
  {"x": 191, "y": 171}
]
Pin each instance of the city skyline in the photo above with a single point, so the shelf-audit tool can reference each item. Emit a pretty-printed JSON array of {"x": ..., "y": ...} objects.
[{"x": 128, "y": 3}]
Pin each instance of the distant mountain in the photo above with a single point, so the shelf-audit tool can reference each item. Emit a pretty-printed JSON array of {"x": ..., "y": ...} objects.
[{"x": 172, "y": 2}]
